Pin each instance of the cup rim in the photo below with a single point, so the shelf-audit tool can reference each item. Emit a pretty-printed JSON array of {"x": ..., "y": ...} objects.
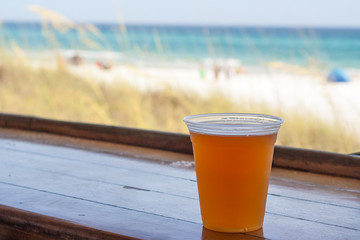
[{"x": 233, "y": 123}]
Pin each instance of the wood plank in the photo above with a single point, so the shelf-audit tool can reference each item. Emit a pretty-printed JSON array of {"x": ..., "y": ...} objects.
[
  {"x": 129, "y": 196},
  {"x": 276, "y": 227},
  {"x": 132, "y": 136},
  {"x": 116, "y": 219},
  {"x": 20, "y": 224},
  {"x": 135, "y": 161},
  {"x": 286, "y": 157},
  {"x": 317, "y": 161},
  {"x": 134, "y": 197},
  {"x": 281, "y": 187},
  {"x": 9, "y": 232},
  {"x": 144, "y": 226},
  {"x": 109, "y": 185},
  {"x": 139, "y": 198}
]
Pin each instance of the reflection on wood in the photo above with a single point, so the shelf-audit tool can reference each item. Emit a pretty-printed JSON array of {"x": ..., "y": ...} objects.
[
  {"x": 212, "y": 235},
  {"x": 91, "y": 195}
]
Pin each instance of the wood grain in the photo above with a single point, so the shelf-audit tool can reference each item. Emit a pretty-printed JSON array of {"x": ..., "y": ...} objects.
[
  {"x": 44, "y": 188},
  {"x": 20, "y": 224},
  {"x": 132, "y": 136},
  {"x": 286, "y": 157},
  {"x": 124, "y": 179}
]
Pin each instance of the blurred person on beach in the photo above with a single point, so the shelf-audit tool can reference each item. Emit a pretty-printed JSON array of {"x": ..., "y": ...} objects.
[
  {"x": 202, "y": 71},
  {"x": 216, "y": 69},
  {"x": 76, "y": 60},
  {"x": 104, "y": 65}
]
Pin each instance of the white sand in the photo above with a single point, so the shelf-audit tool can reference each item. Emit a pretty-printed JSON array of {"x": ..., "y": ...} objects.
[{"x": 338, "y": 103}]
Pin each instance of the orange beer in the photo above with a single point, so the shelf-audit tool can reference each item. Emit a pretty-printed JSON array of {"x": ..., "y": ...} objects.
[
  {"x": 233, "y": 158},
  {"x": 233, "y": 175}
]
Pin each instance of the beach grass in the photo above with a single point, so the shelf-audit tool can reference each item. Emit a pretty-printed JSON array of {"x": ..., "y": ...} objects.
[{"x": 57, "y": 93}]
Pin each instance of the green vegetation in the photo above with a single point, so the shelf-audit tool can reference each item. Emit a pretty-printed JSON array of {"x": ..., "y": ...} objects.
[{"x": 58, "y": 94}]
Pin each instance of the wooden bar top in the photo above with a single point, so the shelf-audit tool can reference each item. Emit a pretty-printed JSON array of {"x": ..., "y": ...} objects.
[{"x": 61, "y": 187}]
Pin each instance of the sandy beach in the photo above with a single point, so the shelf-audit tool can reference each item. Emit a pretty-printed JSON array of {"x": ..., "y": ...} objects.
[
  {"x": 310, "y": 94},
  {"x": 188, "y": 69}
]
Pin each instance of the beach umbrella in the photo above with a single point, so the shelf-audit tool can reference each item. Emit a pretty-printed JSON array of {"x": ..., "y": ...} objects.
[{"x": 338, "y": 75}]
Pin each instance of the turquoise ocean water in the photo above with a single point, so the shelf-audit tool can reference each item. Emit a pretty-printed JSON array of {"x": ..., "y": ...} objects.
[{"x": 324, "y": 48}]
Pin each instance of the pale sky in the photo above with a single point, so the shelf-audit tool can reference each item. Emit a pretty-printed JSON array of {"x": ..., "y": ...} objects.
[{"x": 298, "y": 13}]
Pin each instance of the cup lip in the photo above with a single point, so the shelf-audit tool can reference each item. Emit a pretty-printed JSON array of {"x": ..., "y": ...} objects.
[{"x": 237, "y": 123}]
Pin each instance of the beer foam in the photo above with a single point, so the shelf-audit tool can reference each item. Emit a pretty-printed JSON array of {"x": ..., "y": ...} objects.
[{"x": 234, "y": 124}]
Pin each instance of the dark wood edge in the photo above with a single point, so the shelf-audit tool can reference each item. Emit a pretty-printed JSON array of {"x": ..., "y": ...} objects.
[
  {"x": 144, "y": 138},
  {"x": 336, "y": 164},
  {"x": 285, "y": 157},
  {"x": 20, "y": 224}
]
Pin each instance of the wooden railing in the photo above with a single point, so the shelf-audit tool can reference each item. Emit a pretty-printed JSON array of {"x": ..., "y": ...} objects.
[{"x": 344, "y": 165}]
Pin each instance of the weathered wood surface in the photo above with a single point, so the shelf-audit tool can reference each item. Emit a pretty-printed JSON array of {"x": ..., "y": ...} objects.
[
  {"x": 91, "y": 195},
  {"x": 24, "y": 225},
  {"x": 285, "y": 157},
  {"x": 131, "y": 136}
]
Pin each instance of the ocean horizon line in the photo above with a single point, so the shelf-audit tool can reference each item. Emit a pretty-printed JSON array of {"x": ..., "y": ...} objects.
[
  {"x": 323, "y": 47},
  {"x": 195, "y": 26}
]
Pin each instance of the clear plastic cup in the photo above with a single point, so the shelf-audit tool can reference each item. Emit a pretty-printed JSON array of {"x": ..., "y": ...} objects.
[{"x": 233, "y": 155}]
